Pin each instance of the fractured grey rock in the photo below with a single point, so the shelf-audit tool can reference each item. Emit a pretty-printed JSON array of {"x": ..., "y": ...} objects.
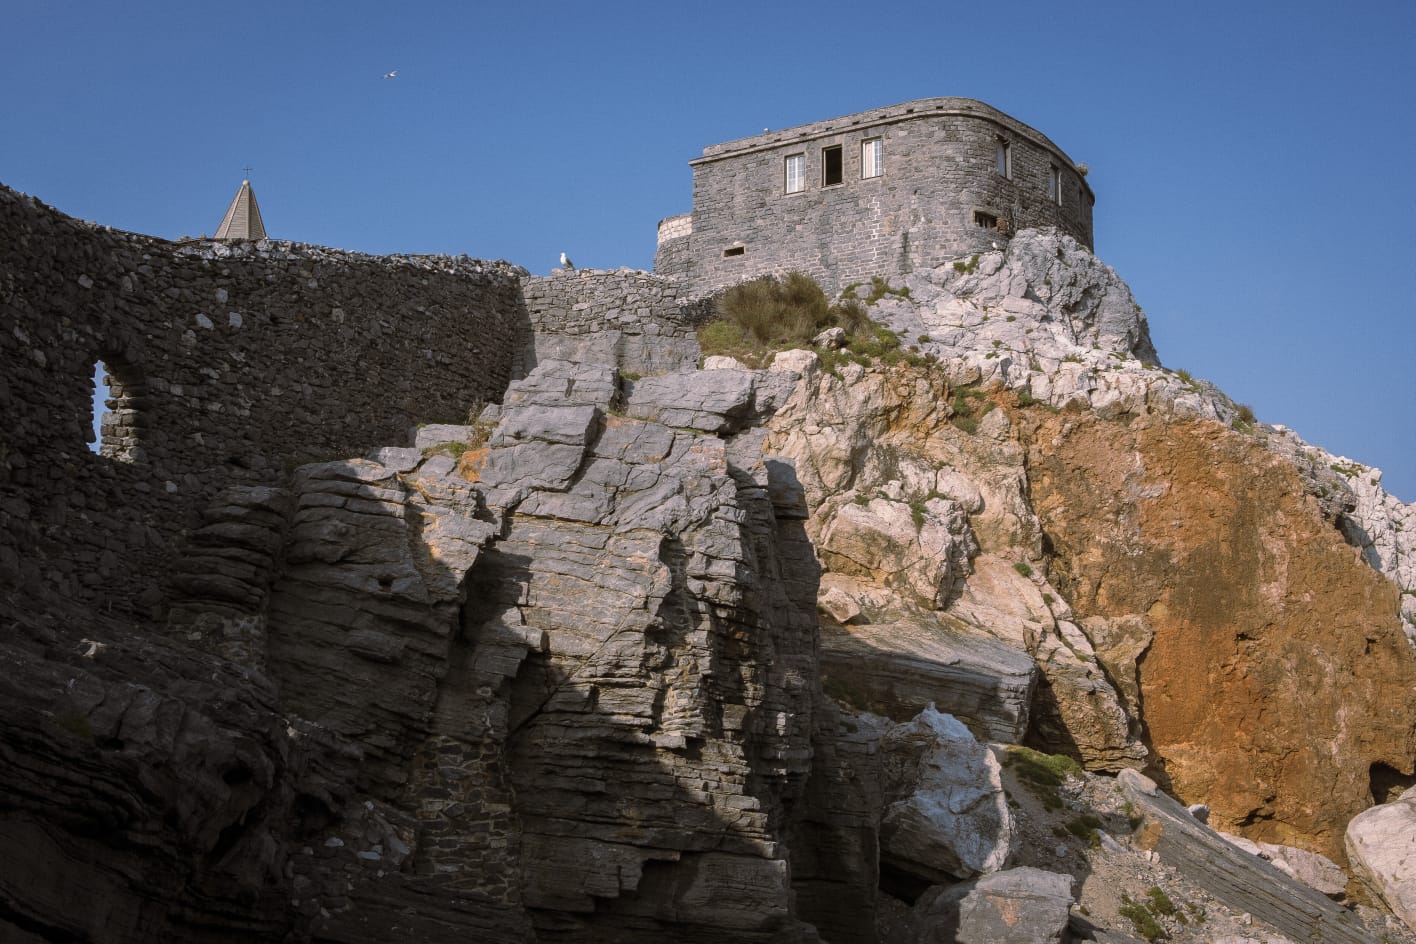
[
  {"x": 897, "y": 669},
  {"x": 1243, "y": 882},
  {"x": 1019, "y": 906}
]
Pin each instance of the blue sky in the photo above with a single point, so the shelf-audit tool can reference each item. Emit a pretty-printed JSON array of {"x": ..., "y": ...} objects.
[{"x": 1254, "y": 162}]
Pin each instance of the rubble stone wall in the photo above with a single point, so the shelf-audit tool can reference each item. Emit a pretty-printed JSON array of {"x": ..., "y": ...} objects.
[
  {"x": 229, "y": 364},
  {"x": 632, "y": 320}
]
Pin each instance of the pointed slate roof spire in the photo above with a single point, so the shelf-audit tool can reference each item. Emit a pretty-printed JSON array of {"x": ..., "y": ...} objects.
[{"x": 243, "y": 216}]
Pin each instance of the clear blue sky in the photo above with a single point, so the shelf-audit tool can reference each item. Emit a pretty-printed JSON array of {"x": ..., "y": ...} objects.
[{"x": 1254, "y": 160}]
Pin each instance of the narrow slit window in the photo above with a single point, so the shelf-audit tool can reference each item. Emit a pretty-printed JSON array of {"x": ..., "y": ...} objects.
[
  {"x": 118, "y": 418},
  {"x": 734, "y": 251},
  {"x": 99, "y": 404},
  {"x": 1054, "y": 184},
  {"x": 796, "y": 173},
  {"x": 871, "y": 154},
  {"x": 831, "y": 166},
  {"x": 985, "y": 220},
  {"x": 1003, "y": 158}
]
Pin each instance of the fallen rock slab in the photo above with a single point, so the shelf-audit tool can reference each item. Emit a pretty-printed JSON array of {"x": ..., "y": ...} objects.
[{"x": 1237, "y": 879}]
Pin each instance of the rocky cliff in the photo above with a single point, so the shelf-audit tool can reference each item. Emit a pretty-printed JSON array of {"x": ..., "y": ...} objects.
[{"x": 846, "y": 649}]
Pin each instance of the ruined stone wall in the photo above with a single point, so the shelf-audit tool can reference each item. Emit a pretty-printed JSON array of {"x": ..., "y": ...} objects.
[
  {"x": 939, "y": 159},
  {"x": 231, "y": 364},
  {"x": 630, "y": 319}
]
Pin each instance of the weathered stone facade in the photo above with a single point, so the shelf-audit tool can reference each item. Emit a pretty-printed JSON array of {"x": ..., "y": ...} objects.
[
  {"x": 954, "y": 177},
  {"x": 230, "y": 364}
]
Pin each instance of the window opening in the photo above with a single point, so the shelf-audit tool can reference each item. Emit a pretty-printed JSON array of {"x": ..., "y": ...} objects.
[
  {"x": 985, "y": 220},
  {"x": 1003, "y": 158},
  {"x": 1054, "y": 184},
  {"x": 97, "y": 404},
  {"x": 871, "y": 164},
  {"x": 796, "y": 173},
  {"x": 734, "y": 251},
  {"x": 116, "y": 418},
  {"x": 831, "y": 166}
]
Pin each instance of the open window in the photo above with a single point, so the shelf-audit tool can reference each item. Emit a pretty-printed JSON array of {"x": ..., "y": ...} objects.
[
  {"x": 1003, "y": 158},
  {"x": 984, "y": 220},
  {"x": 117, "y": 416},
  {"x": 832, "y": 166},
  {"x": 1054, "y": 184}
]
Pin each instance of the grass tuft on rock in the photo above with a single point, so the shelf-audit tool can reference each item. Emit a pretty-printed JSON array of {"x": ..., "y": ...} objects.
[{"x": 756, "y": 319}]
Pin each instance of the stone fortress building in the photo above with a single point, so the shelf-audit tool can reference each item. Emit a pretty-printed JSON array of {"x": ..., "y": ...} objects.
[{"x": 883, "y": 192}]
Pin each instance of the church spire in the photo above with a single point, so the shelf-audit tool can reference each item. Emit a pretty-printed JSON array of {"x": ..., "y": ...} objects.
[{"x": 243, "y": 217}]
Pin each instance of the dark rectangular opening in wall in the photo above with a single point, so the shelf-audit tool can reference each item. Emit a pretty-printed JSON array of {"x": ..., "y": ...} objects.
[
  {"x": 831, "y": 166},
  {"x": 985, "y": 220},
  {"x": 734, "y": 251}
]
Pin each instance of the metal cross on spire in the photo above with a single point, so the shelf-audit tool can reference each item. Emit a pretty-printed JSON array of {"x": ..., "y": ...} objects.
[{"x": 247, "y": 171}]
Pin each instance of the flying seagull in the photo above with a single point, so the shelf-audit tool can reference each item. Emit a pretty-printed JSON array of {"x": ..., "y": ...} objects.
[
  {"x": 566, "y": 263},
  {"x": 391, "y": 75}
]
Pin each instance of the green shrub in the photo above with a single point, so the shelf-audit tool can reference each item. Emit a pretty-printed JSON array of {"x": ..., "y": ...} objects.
[
  {"x": 1084, "y": 826},
  {"x": 1141, "y": 919},
  {"x": 879, "y": 288},
  {"x": 760, "y": 317},
  {"x": 917, "y": 513},
  {"x": 1159, "y": 901},
  {"x": 1246, "y": 414},
  {"x": 1035, "y": 767},
  {"x": 1023, "y": 569}
]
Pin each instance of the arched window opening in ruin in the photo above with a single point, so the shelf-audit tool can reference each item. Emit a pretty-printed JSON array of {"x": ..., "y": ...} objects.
[{"x": 116, "y": 415}]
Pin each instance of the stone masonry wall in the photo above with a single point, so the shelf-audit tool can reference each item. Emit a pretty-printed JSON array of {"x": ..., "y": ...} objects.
[
  {"x": 230, "y": 364},
  {"x": 633, "y": 320},
  {"x": 939, "y": 170}
]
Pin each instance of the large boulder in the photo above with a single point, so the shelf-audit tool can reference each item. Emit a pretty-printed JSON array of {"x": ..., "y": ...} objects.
[
  {"x": 1381, "y": 846},
  {"x": 945, "y": 814},
  {"x": 1019, "y": 906}
]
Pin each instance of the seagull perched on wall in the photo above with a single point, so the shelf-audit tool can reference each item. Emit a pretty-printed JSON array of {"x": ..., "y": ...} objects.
[
  {"x": 391, "y": 75},
  {"x": 566, "y": 263}
]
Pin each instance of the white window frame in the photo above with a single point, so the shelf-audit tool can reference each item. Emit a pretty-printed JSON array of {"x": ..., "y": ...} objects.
[
  {"x": 794, "y": 173},
  {"x": 872, "y": 158}
]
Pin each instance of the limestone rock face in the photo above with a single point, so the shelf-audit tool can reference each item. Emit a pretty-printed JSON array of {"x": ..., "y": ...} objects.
[
  {"x": 655, "y": 731},
  {"x": 1209, "y": 540},
  {"x": 924, "y": 529},
  {"x": 649, "y": 653}
]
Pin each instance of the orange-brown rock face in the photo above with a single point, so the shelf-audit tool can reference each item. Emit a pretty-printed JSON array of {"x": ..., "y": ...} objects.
[{"x": 1278, "y": 673}]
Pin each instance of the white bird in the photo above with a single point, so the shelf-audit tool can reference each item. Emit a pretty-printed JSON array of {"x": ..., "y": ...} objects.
[
  {"x": 391, "y": 75},
  {"x": 566, "y": 263}
]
